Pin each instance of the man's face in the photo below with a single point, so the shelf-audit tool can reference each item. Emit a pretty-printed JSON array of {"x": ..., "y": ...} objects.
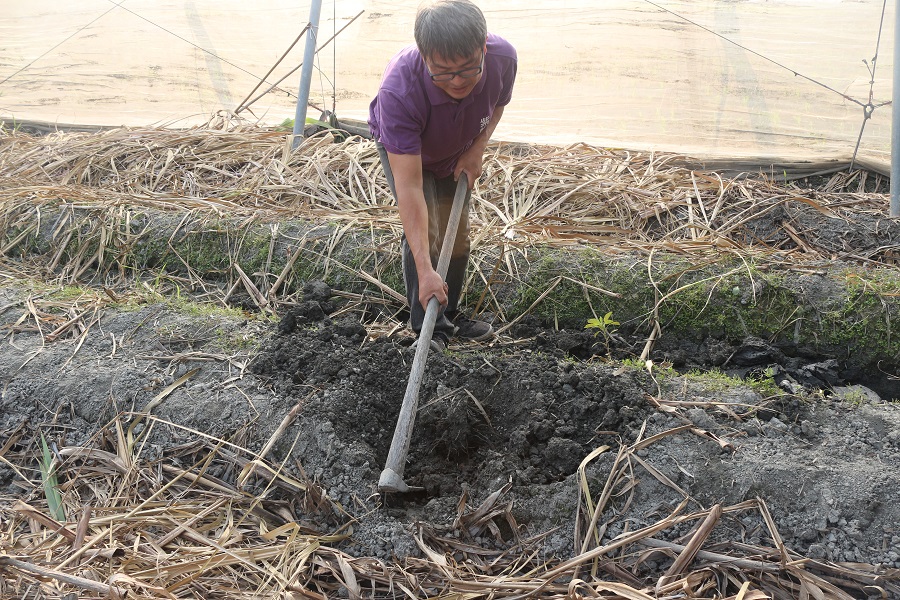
[{"x": 457, "y": 77}]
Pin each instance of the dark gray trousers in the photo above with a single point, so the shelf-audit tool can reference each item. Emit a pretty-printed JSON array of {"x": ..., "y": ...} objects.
[{"x": 439, "y": 194}]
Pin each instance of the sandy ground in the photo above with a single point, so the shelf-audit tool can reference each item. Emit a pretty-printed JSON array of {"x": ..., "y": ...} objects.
[{"x": 630, "y": 74}]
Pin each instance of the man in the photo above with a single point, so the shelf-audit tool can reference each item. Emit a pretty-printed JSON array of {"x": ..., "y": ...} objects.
[{"x": 439, "y": 102}]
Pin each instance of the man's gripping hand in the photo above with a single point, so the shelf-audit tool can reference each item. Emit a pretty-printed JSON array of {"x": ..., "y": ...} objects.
[
  {"x": 431, "y": 284},
  {"x": 472, "y": 162}
]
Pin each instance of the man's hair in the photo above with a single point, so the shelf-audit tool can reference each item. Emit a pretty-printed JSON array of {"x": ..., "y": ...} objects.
[{"x": 451, "y": 29}]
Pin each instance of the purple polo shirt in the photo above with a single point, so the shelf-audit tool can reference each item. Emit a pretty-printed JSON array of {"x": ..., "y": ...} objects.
[{"x": 411, "y": 115}]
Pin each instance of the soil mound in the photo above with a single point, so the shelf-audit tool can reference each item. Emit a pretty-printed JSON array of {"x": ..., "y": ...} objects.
[
  {"x": 519, "y": 424},
  {"x": 530, "y": 415}
]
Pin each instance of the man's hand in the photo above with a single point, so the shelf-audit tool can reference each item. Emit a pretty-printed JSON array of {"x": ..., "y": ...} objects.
[
  {"x": 472, "y": 162},
  {"x": 431, "y": 284}
]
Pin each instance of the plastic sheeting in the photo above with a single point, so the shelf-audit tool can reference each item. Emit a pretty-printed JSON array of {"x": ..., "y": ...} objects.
[{"x": 623, "y": 73}]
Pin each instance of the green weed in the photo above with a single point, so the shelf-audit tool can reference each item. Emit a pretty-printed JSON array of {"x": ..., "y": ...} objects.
[
  {"x": 765, "y": 384},
  {"x": 603, "y": 327},
  {"x": 51, "y": 484}
]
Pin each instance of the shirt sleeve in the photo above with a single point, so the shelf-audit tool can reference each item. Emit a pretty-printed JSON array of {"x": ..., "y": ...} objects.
[
  {"x": 509, "y": 79},
  {"x": 400, "y": 126}
]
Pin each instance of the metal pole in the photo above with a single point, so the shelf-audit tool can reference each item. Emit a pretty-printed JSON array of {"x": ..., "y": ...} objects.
[
  {"x": 306, "y": 73},
  {"x": 895, "y": 119},
  {"x": 266, "y": 76}
]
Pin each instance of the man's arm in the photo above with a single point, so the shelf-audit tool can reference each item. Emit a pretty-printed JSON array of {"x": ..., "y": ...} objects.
[
  {"x": 472, "y": 160},
  {"x": 407, "y": 171}
]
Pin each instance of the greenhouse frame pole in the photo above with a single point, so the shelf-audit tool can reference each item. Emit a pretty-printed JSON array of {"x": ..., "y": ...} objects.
[
  {"x": 895, "y": 120},
  {"x": 315, "y": 10}
]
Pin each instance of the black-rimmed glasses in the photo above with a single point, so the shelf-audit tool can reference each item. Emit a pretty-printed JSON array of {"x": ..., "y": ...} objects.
[{"x": 464, "y": 73}]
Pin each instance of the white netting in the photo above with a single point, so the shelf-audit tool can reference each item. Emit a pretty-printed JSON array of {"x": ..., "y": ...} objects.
[{"x": 627, "y": 73}]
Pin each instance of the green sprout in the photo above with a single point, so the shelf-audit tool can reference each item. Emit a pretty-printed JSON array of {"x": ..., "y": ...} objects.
[
  {"x": 51, "y": 484},
  {"x": 603, "y": 326}
]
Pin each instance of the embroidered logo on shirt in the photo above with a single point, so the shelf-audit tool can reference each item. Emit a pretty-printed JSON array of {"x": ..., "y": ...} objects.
[{"x": 484, "y": 123}]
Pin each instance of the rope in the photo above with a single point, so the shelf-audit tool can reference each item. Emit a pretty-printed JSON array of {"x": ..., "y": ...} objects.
[
  {"x": 227, "y": 62},
  {"x": 292, "y": 71},
  {"x": 333, "y": 58},
  {"x": 323, "y": 77},
  {"x": 119, "y": 5},
  {"x": 754, "y": 52},
  {"x": 868, "y": 107},
  {"x": 63, "y": 42}
]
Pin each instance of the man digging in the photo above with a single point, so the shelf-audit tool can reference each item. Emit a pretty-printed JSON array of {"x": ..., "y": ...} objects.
[{"x": 438, "y": 104}]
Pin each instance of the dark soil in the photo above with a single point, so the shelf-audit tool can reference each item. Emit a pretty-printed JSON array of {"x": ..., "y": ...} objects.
[{"x": 523, "y": 411}]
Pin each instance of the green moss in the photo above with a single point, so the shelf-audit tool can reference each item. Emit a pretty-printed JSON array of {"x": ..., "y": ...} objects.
[
  {"x": 149, "y": 251},
  {"x": 661, "y": 372},
  {"x": 569, "y": 303},
  {"x": 392, "y": 277},
  {"x": 723, "y": 297},
  {"x": 211, "y": 250},
  {"x": 72, "y": 292},
  {"x": 865, "y": 317},
  {"x": 203, "y": 323},
  {"x": 20, "y": 241},
  {"x": 765, "y": 385},
  {"x": 714, "y": 380},
  {"x": 254, "y": 251},
  {"x": 769, "y": 317},
  {"x": 231, "y": 343},
  {"x": 206, "y": 251},
  {"x": 633, "y": 363},
  {"x": 692, "y": 301}
]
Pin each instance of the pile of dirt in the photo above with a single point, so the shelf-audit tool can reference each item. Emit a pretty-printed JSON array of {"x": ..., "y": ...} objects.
[{"x": 518, "y": 415}]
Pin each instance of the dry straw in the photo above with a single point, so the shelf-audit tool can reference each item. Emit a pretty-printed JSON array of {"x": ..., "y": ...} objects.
[
  {"x": 528, "y": 193},
  {"x": 141, "y": 529},
  {"x": 616, "y": 201},
  {"x": 169, "y": 528}
]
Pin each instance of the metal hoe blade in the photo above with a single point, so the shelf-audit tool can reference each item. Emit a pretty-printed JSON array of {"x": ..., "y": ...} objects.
[{"x": 391, "y": 479}]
